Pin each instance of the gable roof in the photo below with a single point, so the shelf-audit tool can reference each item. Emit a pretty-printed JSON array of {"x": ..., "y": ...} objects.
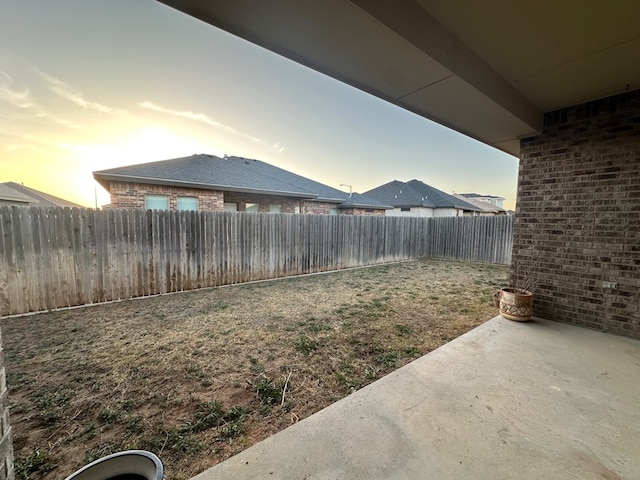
[
  {"x": 481, "y": 204},
  {"x": 478, "y": 195},
  {"x": 14, "y": 192},
  {"x": 359, "y": 200},
  {"x": 12, "y": 195},
  {"x": 231, "y": 174},
  {"x": 417, "y": 194}
]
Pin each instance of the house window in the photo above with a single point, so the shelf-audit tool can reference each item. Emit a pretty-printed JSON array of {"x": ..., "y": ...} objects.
[
  {"x": 296, "y": 209},
  {"x": 230, "y": 207},
  {"x": 333, "y": 211},
  {"x": 275, "y": 208},
  {"x": 156, "y": 202},
  {"x": 252, "y": 207},
  {"x": 187, "y": 203},
  {"x": 405, "y": 209}
]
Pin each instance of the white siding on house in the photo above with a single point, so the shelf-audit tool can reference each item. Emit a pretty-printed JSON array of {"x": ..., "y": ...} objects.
[
  {"x": 414, "y": 212},
  {"x": 425, "y": 212},
  {"x": 447, "y": 212}
]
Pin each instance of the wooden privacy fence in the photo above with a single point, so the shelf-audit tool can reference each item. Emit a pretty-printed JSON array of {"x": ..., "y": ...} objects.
[{"x": 53, "y": 257}]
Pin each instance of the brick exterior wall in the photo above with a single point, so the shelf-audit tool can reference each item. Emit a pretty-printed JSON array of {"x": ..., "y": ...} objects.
[
  {"x": 287, "y": 205},
  {"x": 6, "y": 447},
  {"x": 131, "y": 195},
  {"x": 318, "y": 208},
  {"x": 578, "y": 215},
  {"x": 371, "y": 212}
]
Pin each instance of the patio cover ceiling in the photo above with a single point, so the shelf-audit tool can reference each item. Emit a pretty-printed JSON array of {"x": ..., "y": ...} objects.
[{"x": 487, "y": 69}]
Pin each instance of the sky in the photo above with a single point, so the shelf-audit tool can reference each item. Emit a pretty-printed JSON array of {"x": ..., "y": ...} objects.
[{"x": 87, "y": 85}]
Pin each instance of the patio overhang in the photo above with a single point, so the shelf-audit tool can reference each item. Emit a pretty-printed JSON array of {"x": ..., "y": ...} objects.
[{"x": 486, "y": 69}]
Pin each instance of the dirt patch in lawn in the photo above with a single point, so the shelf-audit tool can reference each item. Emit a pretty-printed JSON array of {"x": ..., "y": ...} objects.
[{"x": 198, "y": 376}]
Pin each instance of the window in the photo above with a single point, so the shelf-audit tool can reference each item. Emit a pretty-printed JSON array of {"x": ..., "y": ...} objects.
[
  {"x": 156, "y": 202},
  {"x": 296, "y": 209},
  {"x": 275, "y": 208},
  {"x": 252, "y": 207},
  {"x": 230, "y": 207},
  {"x": 333, "y": 211},
  {"x": 405, "y": 209},
  {"x": 187, "y": 203}
]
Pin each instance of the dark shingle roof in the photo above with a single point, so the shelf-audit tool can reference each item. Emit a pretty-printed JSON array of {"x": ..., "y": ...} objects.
[
  {"x": 481, "y": 204},
  {"x": 12, "y": 195},
  {"x": 358, "y": 200},
  {"x": 233, "y": 174},
  {"x": 416, "y": 194},
  {"x": 205, "y": 171},
  {"x": 14, "y": 192},
  {"x": 476, "y": 195}
]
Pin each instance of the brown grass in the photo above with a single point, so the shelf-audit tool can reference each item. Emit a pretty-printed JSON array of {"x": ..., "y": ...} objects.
[{"x": 198, "y": 376}]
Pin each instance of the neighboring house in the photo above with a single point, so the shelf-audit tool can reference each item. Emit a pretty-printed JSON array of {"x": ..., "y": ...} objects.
[
  {"x": 417, "y": 199},
  {"x": 207, "y": 182},
  {"x": 492, "y": 199},
  {"x": 488, "y": 209},
  {"x": 12, "y": 193}
]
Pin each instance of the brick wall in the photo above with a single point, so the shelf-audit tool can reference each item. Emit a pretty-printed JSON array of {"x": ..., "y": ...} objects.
[
  {"x": 287, "y": 205},
  {"x": 6, "y": 448},
  {"x": 578, "y": 215},
  {"x": 372, "y": 212},
  {"x": 131, "y": 195},
  {"x": 318, "y": 208}
]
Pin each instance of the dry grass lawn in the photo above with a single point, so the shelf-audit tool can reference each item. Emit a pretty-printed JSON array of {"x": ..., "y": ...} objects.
[{"x": 198, "y": 376}]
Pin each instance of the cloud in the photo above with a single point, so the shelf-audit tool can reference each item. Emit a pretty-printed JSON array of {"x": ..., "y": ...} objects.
[
  {"x": 23, "y": 105},
  {"x": 67, "y": 92},
  {"x": 203, "y": 118},
  {"x": 197, "y": 117},
  {"x": 75, "y": 97},
  {"x": 14, "y": 97},
  {"x": 278, "y": 147}
]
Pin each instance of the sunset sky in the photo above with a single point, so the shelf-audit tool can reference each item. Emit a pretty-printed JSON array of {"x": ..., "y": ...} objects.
[{"x": 87, "y": 85}]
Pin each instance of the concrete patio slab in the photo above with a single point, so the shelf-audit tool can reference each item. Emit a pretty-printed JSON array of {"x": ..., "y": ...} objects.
[{"x": 536, "y": 400}]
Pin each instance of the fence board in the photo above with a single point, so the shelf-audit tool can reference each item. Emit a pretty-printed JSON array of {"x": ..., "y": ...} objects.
[
  {"x": 5, "y": 227},
  {"x": 53, "y": 257}
]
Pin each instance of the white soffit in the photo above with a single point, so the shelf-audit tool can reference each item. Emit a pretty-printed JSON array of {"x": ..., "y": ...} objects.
[
  {"x": 557, "y": 53},
  {"x": 455, "y": 103},
  {"x": 487, "y": 69}
]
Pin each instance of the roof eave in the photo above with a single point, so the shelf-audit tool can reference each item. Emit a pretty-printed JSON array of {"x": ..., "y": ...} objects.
[
  {"x": 9, "y": 198},
  {"x": 102, "y": 177},
  {"x": 364, "y": 205}
]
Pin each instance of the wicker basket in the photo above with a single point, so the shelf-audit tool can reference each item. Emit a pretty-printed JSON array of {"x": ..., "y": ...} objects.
[{"x": 516, "y": 304}]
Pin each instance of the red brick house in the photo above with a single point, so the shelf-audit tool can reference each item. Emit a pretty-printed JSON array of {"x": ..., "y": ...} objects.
[
  {"x": 207, "y": 182},
  {"x": 555, "y": 84}
]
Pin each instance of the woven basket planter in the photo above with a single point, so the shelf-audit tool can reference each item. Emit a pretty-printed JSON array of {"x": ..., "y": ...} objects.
[{"x": 516, "y": 304}]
